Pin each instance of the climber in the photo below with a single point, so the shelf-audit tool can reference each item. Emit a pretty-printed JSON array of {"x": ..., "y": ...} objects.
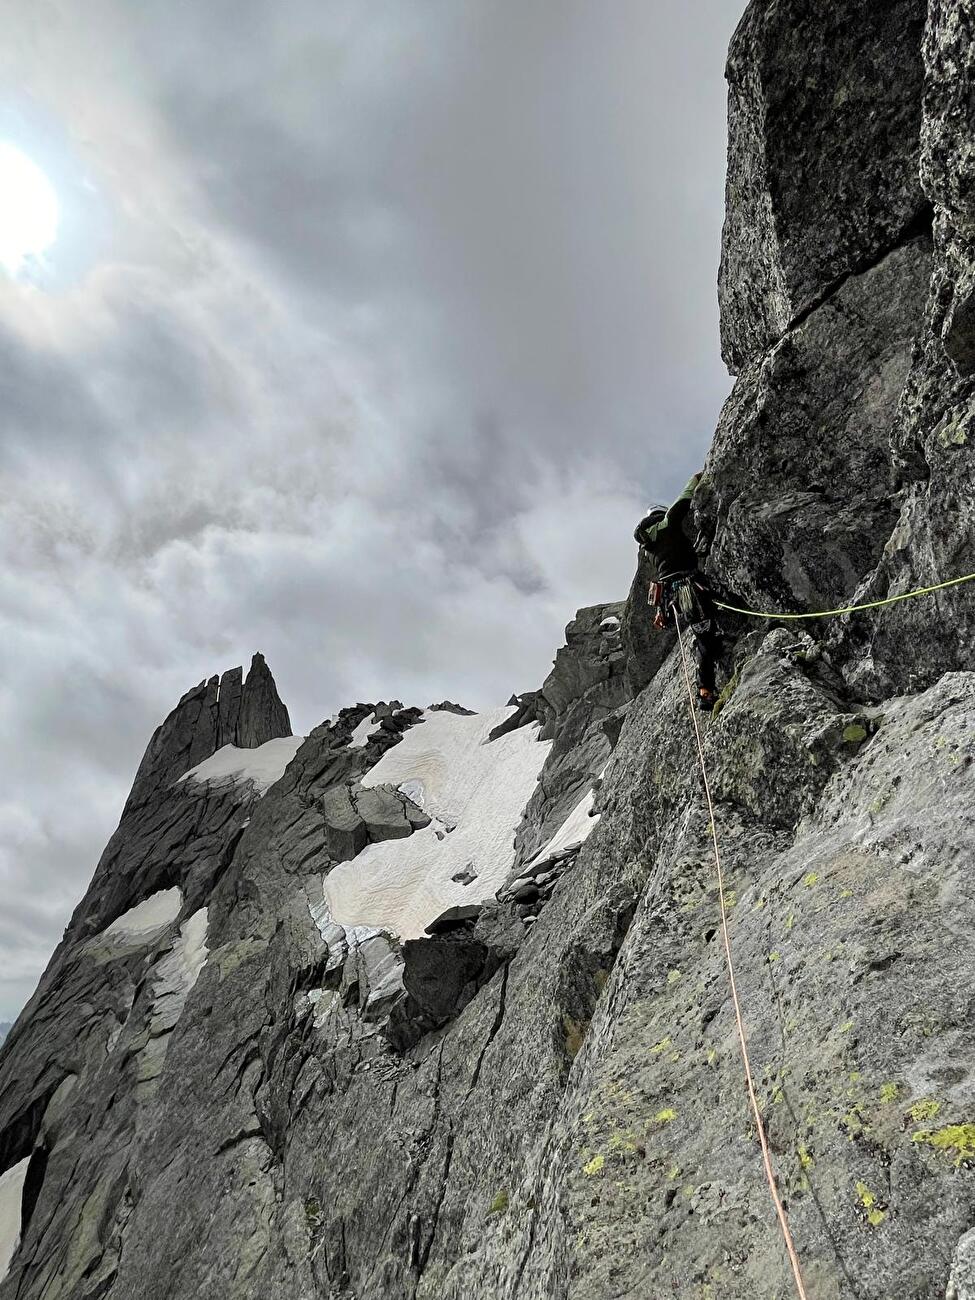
[{"x": 678, "y": 582}]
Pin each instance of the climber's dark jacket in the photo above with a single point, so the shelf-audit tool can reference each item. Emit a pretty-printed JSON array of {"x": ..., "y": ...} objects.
[{"x": 666, "y": 543}]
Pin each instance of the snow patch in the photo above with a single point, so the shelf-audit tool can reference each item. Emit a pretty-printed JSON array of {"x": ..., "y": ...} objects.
[
  {"x": 575, "y": 830},
  {"x": 148, "y": 917},
  {"x": 375, "y": 948},
  {"x": 11, "y": 1201},
  {"x": 178, "y": 971},
  {"x": 322, "y": 1002},
  {"x": 475, "y": 790},
  {"x": 363, "y": 731},
  {"x": 339, "y": 939},
  {"x": 261, "y": 767},
  {"x": 414, "y": 790}
]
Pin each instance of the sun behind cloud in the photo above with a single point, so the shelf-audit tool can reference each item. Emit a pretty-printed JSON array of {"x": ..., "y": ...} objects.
[{"x": 29, "y": 210}]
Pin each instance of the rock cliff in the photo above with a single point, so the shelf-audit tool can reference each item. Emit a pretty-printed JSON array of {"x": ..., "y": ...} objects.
[{"x": 432, "y": 1004}]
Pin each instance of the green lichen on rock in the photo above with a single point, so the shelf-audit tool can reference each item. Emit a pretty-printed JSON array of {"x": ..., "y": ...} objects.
[
  {"x": 875, "y": 1215},
  {"x": 727, "y": 691},
  {"x": 957, "y": 1140},
  {"x": 624, "y": 1143},
  {"x": 500, "y": 1202},
  {"x": 853, "y": 1122},
  {"x": 951, "y": 434},
  {"x": 854, "y": 734},
  {"x": 594, "y": 1166}
]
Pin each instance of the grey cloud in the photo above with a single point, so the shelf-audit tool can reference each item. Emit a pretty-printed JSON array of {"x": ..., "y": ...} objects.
[
  {"x": 407, "y": 309},
  {"x": 525, "y": 182}
]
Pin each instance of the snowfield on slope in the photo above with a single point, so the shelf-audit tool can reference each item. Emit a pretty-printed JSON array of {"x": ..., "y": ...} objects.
[
  {"x": 11, "y": 1194},
  {"x": 261, "y": 766},
  {"x": 474, "y": 790},
  {"x": 575, "y": 830},
  {"x": 177, "y": 972},
  {"x": 363, "y": 731},
  {"x": 147, "y": 918}
]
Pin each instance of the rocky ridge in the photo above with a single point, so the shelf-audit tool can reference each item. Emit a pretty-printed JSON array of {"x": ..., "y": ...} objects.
[{"x": 221, "y": 1088}]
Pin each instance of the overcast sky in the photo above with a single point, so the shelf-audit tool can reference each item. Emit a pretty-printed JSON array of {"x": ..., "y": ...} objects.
[{"x": 368, "y": 331}]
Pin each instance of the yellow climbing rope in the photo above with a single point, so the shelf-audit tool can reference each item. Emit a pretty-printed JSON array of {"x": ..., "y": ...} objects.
[
  {"x": 850, "y": 609},
  {"x": 729, "y": 961}
]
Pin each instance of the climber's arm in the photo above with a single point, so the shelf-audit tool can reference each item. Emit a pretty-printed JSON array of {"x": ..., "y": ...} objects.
[{"x": 678, "y": 511}]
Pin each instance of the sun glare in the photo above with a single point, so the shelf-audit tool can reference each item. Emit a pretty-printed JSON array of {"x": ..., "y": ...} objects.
[{"x": 28, "y": 210}]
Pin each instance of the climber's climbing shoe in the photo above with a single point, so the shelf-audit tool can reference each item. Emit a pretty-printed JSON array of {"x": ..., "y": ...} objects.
[{"x": 705, "y": 700}]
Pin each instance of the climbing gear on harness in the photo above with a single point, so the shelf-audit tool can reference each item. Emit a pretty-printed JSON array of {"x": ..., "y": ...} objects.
[
  {"x": 850, "y": 609},
  {"x": 685, "y": 595},
  {"x": 729, "y": 961},
  {"x": 655, "y": 599},
  {"x": 680, "y": 591}
]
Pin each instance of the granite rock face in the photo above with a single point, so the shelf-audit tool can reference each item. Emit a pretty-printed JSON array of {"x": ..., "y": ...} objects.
[
  {"x": 221, "y": 1089},
  {"x": 222, "y": 711},
  {"x": 823, "y": 178}
]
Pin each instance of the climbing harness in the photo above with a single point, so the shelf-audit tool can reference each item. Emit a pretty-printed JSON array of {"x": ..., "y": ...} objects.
[
  {"x": 850, "y": 609},
  {"x": 677, "y": 593},
  {"x": 680, "y": 591},
  {"x": 729, "y": 960}
]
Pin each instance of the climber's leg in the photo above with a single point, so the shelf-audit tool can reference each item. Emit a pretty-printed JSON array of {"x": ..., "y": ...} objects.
[
  {"x": 707, "y": 644},
  {"x": 707, "y": 647}
]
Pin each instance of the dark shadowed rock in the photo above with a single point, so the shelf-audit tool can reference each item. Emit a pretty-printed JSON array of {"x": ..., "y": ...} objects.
[
  {"x": 824, "y": 119},
  {"x": 798, "y": 496},
  {"x": 345, "y": 831},
  {"x": 588, "y": 666},
  {"x": 526, "y": 713},
  {"x": 355, "y": 816},
  {"x": 387, "y": 813},
  {"x": 228, "y": 707},
  {"x": 218, "y": 712},
  {"x": 455, "y": 918},
  {"x": 262, "y": 715},
  {"x": 441, "y": 976},
  {"x": 188, "y": 736}
]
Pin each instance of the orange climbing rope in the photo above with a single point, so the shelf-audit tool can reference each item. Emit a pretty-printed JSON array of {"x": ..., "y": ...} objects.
[{"x": 756, "y": 1110}]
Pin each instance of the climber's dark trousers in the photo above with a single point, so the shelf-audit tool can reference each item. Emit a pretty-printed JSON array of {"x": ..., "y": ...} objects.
[
  {"x": 699, "y": 617},
  {"x": 707, "y": 648}
]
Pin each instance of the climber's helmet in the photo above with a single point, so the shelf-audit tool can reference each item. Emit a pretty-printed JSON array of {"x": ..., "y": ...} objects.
[{"x": 655, "y": 515}]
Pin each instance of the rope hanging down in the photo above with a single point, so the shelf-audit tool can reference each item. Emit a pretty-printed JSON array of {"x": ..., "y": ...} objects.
[
  {"x": 850, "y": 609},
  {"x": 742, "y": 1043}
]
